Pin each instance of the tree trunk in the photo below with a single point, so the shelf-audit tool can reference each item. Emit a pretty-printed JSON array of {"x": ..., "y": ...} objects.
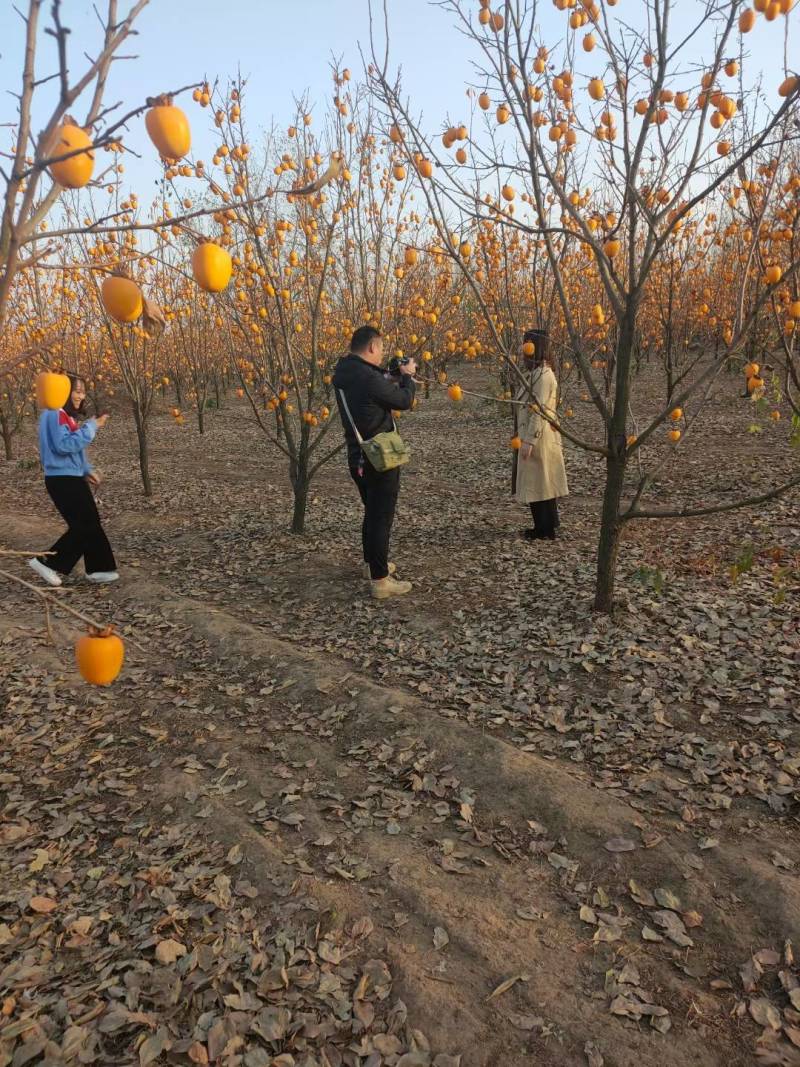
[
  {"x": 144, "y": 450},
  {"x": 178, "y": 393},
  {"x": 216, "y": 392},
  {"x": 616, "y": 462},
  {"x": 610, "y": 530},
  {"x": 298, "y": 473},
  {"x": 8, "y": 438},
  {"x": 201, "y": 417}
]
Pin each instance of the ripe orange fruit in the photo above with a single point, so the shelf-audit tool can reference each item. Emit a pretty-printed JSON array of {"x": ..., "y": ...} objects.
[
  {"x": 75, "y": 172},
  {"x": 168, "y": 128},
  {"x": 122, "y": 298},
  {"x": 516, "y": 443},
  {"x": 99, "y": 657},
  {"x": 212, "y": 267},
  {"x": 455, "y": 393},
  {"x": 674, "y": 435},
  {"x": 676, "y": 414},
  {"x": 52, "y": 390},
  {"x": 773, "y": 275}
]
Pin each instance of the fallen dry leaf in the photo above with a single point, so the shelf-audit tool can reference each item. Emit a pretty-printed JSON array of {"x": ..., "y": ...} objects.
[
  {"x": 506, "y": 985},
  {"x": 42, "y": 905},
  {"x": 169, "y": 950}
]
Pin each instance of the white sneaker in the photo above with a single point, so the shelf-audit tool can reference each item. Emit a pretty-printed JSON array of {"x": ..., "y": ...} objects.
[
  {"x": 50, "y": 576},
  {"x": 103, "y": 576},
  {"x": 365, "y": 571}
]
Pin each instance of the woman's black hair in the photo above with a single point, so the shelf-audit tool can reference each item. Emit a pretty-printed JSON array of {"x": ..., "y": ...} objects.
[
  {"x": 69, "y": 407},
  {"x": 540, "y": 340}
]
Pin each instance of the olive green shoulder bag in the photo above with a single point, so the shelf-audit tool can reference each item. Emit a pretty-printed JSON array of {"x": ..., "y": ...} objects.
[{"x": 386, "y": 450}]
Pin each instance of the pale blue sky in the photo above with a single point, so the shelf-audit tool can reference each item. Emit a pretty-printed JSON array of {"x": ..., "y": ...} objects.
[{"x": 285, "y": 46}]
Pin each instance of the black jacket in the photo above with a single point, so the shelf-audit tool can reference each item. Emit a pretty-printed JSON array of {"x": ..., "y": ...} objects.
[{"x": 371, "y": 399}]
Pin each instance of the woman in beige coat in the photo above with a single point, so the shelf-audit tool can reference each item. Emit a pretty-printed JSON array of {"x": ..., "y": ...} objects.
[{"x": 541, "y": 477}]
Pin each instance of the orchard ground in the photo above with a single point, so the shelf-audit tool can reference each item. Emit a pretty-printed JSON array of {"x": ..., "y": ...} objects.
[{"x": 556, "y": 838}]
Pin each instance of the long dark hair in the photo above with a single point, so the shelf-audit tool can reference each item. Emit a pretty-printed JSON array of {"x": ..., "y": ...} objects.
[
  {"x": 540, "y": 339},
  {"x": 69, "y": 407}
]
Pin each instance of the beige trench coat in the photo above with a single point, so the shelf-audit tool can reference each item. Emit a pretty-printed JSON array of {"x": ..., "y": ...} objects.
[{"x": 540, "y": 475}]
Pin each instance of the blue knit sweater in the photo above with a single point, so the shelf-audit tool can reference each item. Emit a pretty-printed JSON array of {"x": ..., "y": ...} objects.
[{"x": 62, "y": 444}]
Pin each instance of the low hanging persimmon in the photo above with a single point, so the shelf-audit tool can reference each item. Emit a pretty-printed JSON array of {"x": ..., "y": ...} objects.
[
  {"x": 168, "y": 128},
  {"x": 99, "y": 655},
  {"x": 52, "y": 390},
  {"x": 122, "y": 298},
  {"x": 212, "y": 267},
  {"x": 76, "y": 171}
]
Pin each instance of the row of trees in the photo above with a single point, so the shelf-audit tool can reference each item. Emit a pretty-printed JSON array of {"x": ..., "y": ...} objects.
[{"x": 642, "y": 204}]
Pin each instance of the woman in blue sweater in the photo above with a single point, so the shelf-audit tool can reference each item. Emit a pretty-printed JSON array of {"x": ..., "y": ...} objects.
[{"x": 70, "y": 479}]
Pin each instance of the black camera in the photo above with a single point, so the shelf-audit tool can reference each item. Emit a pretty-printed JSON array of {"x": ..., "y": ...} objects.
[{"x": 395, "y": 363}]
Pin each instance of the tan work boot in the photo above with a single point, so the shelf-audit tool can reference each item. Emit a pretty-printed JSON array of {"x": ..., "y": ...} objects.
[
  {"x": 386, "y": 587},
  {"x": 368, "y": 576}
]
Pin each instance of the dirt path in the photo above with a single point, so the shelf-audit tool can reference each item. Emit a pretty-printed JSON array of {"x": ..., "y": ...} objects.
[{"x": 461, "y": 826}]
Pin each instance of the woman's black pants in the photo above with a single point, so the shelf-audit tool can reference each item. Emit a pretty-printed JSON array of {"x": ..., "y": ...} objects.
[
  {"x": 378, "y": 491},
  {"x": 545, "y": 517},
  {"x": 85, "y": 535}
]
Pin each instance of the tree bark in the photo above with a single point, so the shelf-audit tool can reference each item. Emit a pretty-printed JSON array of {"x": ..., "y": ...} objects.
[
  {"x": 144, "y": 450},
  {"x": 8, "y": 438},
  {"x": 610, "y": 525},
  {"x": 299, "y": 476},
  {"x": 610, "y": 531}
]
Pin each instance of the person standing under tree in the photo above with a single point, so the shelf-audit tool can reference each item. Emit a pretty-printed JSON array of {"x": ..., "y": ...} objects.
[
  {"x": 70, "y": 481},
  {"x": 366, "y": 397},
  {"x": 540, "y": 476}
]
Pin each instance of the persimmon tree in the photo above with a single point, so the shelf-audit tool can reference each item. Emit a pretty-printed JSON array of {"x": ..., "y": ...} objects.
[
  {"x": 325, "y": 240},
  {"x": 616, "y": 143}
]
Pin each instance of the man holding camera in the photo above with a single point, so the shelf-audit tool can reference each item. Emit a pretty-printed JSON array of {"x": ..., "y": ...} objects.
[{"x": 367, "y": 396}]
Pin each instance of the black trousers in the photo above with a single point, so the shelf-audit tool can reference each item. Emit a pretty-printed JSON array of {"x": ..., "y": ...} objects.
[
  {"x": 545, "y": 516},
  {"x": 85, "y": 535},
  {"x": 378, "y": 491}
]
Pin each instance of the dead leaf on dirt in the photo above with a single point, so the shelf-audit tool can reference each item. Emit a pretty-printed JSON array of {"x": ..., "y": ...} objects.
[
  {"x": 767, "y": 957},
  {"x": 587, "y": 915},
  {"x": 41, "y": 858},
  {"x": 522, "y": 1021},
  {"x": 441, "y": 938},
  {"x": 169, "y": 950},
  {"x": 672, "y": 924},
  {"x": 765, "y": 1013},
  {"x": 607, "y": 933},
  {"x": 692, "y": 919},
  {"x": 153, "y": 1046},
  {"x": 506, "y": 985},
  {"x": 782, "y": 862},
  {"x": 42, "y": 905},
  {"x": 620, "y": 844},
  {"x": 594, "y": 1057},
  {"x": 641, "y": 895},
  {"x": 667, "y": 899},
  {"x": 750, "y": 973},
  {"x": 626, "y": 1006},
  {"x": 234, "y": 855},
  {"x": 649, "y": 934}
]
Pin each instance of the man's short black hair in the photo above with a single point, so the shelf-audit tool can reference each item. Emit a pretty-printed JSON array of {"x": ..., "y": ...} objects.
[{"x": 362, "y": 337}]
